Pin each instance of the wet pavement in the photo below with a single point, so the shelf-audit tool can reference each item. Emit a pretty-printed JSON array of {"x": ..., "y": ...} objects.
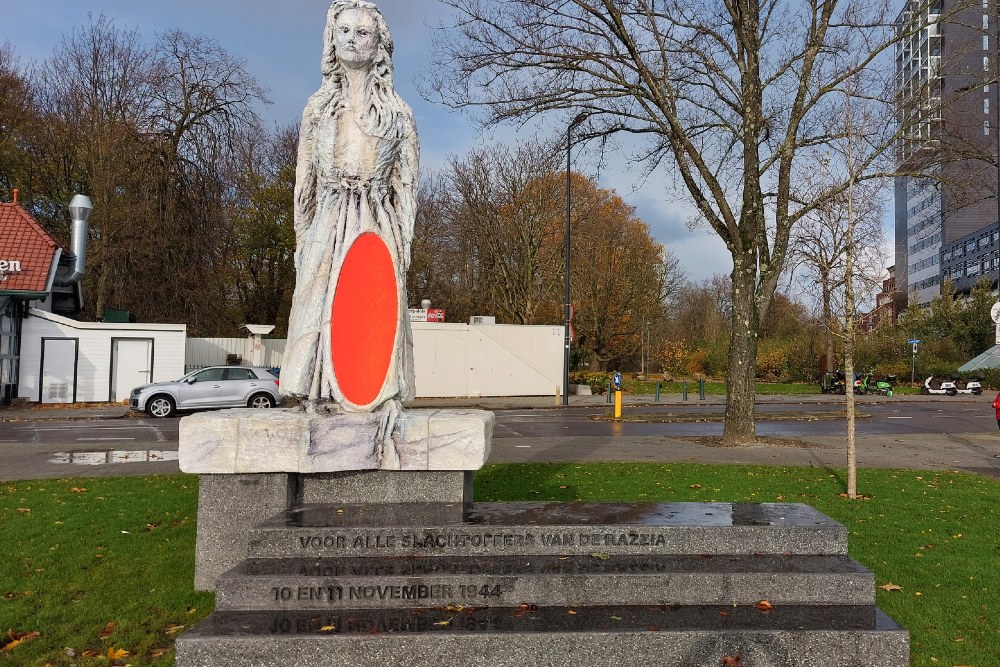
[{"x": 529, "y": 429}]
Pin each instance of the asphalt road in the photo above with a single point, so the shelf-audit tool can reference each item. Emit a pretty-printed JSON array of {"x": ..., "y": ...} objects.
[{"x": 935, "y": 434}]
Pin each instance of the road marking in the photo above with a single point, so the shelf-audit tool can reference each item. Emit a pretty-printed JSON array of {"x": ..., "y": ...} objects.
[
  {"x": 76, "y": 428},
  {"x": 523, "y": 446},
  {"x": 81, "y": 439},
  {"x": 899, "y": 417}
]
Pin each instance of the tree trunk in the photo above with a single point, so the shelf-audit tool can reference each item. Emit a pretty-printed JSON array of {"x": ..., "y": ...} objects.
[
  {"x": 739, "y": 426},
  {"x": 828, "y": 322}
]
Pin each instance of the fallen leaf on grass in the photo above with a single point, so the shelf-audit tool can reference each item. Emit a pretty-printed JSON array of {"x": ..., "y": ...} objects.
[
  {"x": 78, "y": 489},
  {"x": 91, "y": 653},
  {"x": 23, "y": 510},
  {"x": 890, "y": 587},
  {"x": 117, "y": 653},
  {"x": 108, "y": 629},
  {"x": 158, "y": 652},
  {"x": 15, "y": 639},
  {"x": 173, "y": 629},
  {"x": 695, "y": 486}
]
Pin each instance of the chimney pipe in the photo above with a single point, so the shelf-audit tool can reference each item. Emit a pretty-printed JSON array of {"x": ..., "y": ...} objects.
[
  {"x": 79, "y": 211},
  {"x": 16, "y": 192}
]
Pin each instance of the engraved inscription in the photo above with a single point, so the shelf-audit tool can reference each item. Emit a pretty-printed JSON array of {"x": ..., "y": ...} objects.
[
  {"x": 334, "y": 594},
  {"x": 383, "y": 622},
  {"x": 465, "y": 540}
]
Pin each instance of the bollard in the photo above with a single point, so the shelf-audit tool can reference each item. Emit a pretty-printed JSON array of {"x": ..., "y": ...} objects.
[
  {"x": 618, "y": 404},
  {"x": 701, "y": 390},
  {"x": 656, "y": 399},
  {"x": 609, "y": 394},
  {"x": 558, "y": 395},
  {"x": 684, "y": 390}
]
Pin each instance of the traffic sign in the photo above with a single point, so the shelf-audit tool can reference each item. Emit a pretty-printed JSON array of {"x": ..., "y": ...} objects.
[
  {"x": 913, "y": 341},
  {"x": 616, "y": 380}
]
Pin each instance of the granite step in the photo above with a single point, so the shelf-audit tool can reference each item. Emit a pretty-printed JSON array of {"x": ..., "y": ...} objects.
[
  {"x": 547, "y": 528},
  {"x": 556, "y": 636},
  {"x": 597, "y": 579}
]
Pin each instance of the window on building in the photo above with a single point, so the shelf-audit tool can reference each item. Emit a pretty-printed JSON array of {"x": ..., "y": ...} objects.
[
  {"x": 947, "y": 256},
  {"x": 986, "y": 42},
  {"x": 986, "y": 63},
  {"x": 970, "y": 246},
  {"x": 986, "y": 105},
  {"x": 986, "y": 21}
]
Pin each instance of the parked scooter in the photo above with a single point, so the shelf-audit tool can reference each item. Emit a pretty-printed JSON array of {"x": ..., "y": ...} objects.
[
  {"x": 832, "y": 382},
  {"x": 973, "y": 386},
  {"x": 936, "y": 385},
  {"x": 868, "y": 384}
]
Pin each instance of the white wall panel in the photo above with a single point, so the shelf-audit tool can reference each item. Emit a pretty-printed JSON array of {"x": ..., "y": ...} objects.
[{"x": 93, "y": 379}]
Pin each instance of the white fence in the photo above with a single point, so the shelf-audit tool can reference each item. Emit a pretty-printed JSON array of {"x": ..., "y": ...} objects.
[
  {"x": 202, "y": 352},
  {"x": 449, "y": 359}
]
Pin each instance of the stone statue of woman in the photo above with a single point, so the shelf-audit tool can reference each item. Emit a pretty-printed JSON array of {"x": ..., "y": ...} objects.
[{"x": 349, "y": 343}]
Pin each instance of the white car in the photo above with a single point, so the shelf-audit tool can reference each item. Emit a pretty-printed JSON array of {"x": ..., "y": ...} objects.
[{"x": 208, "y": 389}]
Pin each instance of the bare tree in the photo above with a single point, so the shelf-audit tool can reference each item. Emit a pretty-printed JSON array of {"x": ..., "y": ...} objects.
[
  {"x": 16, "y": 114},
  {"x": 729, "y": 94},
  {"x": 94, "y": 93},
  {"x": 820, "y": 242},
  {"x": 258, "y": 266}
]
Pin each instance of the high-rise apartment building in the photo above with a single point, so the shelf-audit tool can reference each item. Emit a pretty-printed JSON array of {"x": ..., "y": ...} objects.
[{"x": 946, "y": 221}]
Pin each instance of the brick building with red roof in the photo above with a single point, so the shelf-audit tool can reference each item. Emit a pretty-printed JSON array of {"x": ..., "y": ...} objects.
[
  {"x": 30, "y": 260},
  {"x": 28, "y": 255}
]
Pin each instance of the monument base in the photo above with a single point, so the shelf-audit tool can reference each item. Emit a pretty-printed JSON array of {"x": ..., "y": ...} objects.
[
  {"x": 231, "y": 505},
  {"x": 556, "y": 584}
]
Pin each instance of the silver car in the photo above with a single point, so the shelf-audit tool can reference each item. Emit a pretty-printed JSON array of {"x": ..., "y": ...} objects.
[{"x": 209, "y": 388}]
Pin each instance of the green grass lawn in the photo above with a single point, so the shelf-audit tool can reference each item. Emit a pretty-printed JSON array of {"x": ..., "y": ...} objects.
[{"x": 104, "y": 566}]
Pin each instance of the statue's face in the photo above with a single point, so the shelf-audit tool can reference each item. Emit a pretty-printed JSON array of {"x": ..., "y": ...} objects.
[{"x": 356, "y": 35}]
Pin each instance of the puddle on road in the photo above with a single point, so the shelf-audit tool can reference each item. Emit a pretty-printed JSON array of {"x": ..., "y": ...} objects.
[{"x": 113, "y": 456}]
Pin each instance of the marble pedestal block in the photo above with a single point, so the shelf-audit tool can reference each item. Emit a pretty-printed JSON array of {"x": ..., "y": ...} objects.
[
  {"x": 246, "y": 440},
  {"x": 255, "y": 463}
]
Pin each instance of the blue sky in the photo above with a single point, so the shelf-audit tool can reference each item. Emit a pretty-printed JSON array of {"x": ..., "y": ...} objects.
[{"x": 281, "y": 42}]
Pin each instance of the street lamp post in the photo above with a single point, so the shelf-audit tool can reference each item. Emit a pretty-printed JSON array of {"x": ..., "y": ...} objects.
[{"x": 567, "y": 312}]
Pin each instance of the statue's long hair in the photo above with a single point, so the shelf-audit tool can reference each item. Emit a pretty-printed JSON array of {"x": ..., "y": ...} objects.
[{"x": 385, "y": 110}]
